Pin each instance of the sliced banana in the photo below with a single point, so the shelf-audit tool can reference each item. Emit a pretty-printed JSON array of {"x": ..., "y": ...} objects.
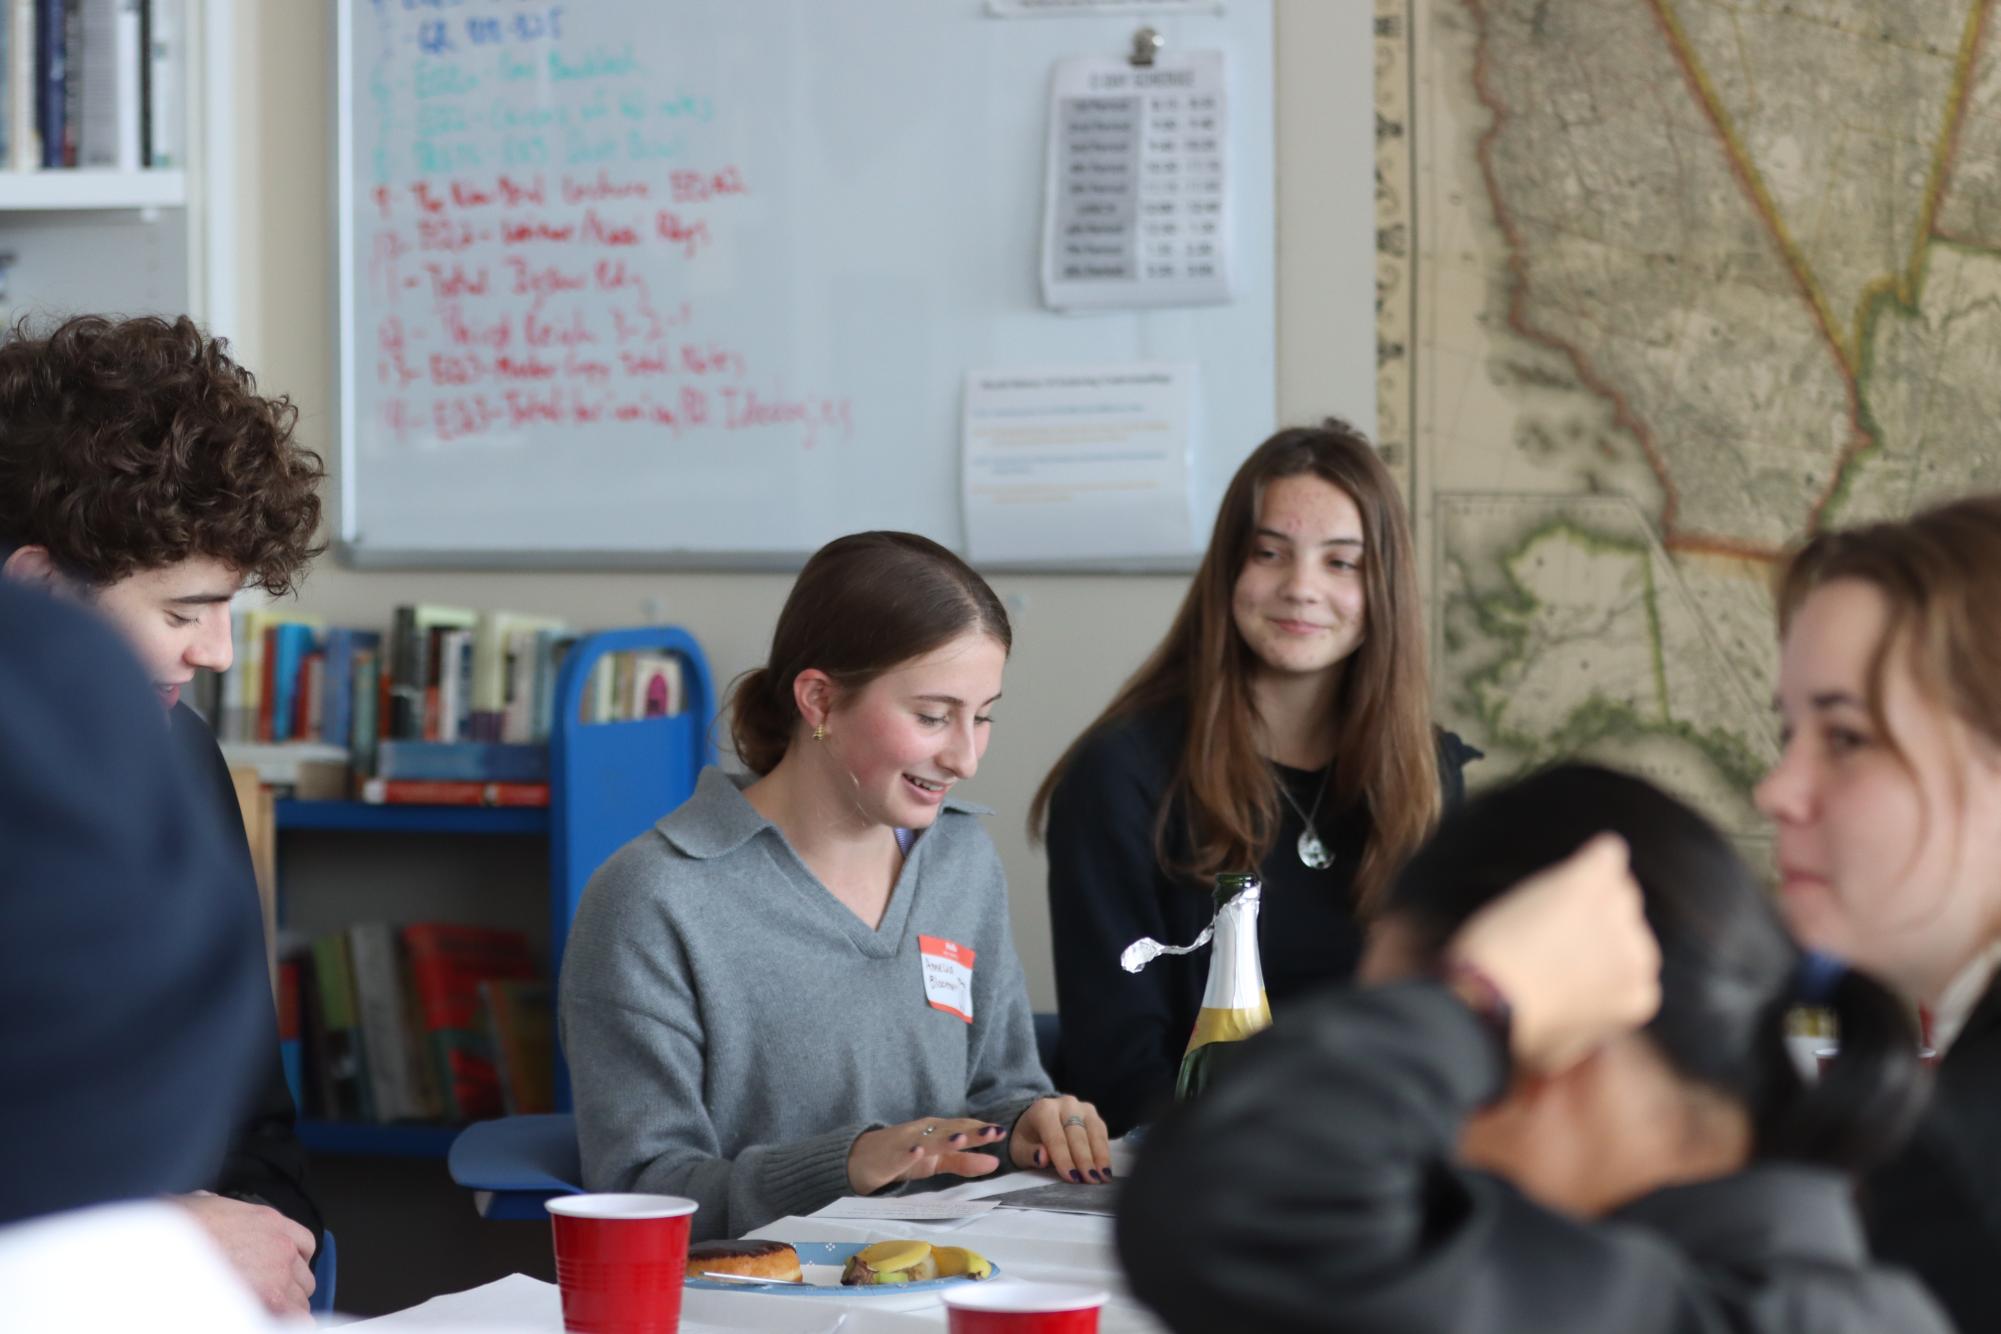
[{"x": 954, "y": 1261}]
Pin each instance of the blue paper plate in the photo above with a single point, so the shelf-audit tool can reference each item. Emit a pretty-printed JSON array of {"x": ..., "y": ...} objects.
[{"x": 834, "y": 1253}]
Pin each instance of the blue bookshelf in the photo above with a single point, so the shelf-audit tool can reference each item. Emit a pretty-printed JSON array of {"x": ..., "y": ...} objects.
[
  {"x": 364, "y": 817},
  {"x": 608, "y": 783}
]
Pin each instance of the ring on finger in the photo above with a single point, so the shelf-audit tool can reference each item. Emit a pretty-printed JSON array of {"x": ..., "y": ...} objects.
[
  {"x": 930, "y": 1130},
  {"x": 1073, "y": 1120}
]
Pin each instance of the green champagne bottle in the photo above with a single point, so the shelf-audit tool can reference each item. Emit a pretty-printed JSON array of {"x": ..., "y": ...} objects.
[{"x": 1234, "y": 1005}]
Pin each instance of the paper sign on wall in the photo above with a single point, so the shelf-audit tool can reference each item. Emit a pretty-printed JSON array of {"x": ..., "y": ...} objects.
[
  {"x": 1136, "y": 208},
  {"x": 1080, "y": 462}
]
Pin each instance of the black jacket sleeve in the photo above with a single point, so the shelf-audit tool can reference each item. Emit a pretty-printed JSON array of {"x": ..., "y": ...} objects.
[
  {"x": 1936, "y": 1207},
  {"x": 1315, "y": 1190},
  {"x": 1123, "y": 1033},
  {"x": 265, "y": 1163}
]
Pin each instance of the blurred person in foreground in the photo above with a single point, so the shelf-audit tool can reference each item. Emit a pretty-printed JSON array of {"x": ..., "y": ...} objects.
[
  {"x": 1886, "y": 813},
  {"x": 143, "y": 474},
  {"x": 1562, "y": 1101},
  {"x": 132, "y": 995}
]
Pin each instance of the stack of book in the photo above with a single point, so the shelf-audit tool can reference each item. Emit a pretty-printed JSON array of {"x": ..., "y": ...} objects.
[
  {"x": 428, "y": 1022},
  {"x": 451, "y": 706},
  {"x": 92, "y": 83}
]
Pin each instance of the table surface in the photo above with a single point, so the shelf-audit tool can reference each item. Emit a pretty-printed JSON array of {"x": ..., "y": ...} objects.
[{"x": 1026, "y": 1244}]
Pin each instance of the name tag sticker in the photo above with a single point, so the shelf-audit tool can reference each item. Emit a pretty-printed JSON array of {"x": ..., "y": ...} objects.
[{"x": 948, "y": 975}]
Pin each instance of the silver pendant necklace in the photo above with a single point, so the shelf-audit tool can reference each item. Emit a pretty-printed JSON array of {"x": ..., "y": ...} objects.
[{"x": 1312, "y": 851}]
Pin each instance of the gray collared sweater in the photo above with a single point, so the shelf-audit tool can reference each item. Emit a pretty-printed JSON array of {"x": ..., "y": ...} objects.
[{"x": 731, "y": 1026}]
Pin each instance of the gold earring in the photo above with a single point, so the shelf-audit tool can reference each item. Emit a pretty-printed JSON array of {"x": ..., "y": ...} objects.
[{"x": 819, "y": 733}]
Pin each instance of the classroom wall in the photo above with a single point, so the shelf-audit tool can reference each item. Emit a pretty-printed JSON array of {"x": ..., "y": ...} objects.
[{"x": 1076, "y": 637}]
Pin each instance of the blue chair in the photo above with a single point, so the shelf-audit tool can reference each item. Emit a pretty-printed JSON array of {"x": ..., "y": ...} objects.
[
  {"x": 325, "y": 1265},
  {"x": 515, "y": 1164},
  {"x": 609, "y": 783}
]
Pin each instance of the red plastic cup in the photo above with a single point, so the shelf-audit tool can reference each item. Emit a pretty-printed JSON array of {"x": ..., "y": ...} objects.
[
  {"x": 620, "y": 1261},
  {"x": 1007, "y": 1307}
]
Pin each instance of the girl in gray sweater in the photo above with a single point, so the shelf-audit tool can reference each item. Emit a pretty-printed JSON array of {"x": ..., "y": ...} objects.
[{"x": 801, "y": 983}]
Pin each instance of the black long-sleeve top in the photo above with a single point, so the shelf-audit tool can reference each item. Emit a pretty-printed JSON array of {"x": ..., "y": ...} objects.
[
  {"x": 1936, "y": 1207},
  {"x": 266, "y": 1164},
  {"x": 1124, "y": 1033},
  {"x": 1314, "y": 1189}
]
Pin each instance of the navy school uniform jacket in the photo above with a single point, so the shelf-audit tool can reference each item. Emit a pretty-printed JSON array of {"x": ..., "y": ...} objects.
[
  {"x": 132, "y": 986},
  {"x": 266, "y": 1163}
]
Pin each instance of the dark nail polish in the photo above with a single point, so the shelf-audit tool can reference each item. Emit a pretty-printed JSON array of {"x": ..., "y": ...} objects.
[
  {"x": 958, "y": 1137},
  {"x": 1074, "y": 1176}
]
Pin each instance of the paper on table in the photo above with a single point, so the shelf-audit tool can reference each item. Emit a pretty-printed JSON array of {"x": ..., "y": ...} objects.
[
  {"x": 1080, "y": 462},
  {"x": 1063, "y": 1197},
  {"x": 518, "y": 1304},
  {"x": 904, "y": 1208}
]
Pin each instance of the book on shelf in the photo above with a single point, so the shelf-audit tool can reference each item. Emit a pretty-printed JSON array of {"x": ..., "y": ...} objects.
[
  {"x": 402, "y": 1083},
  {"x": 451, "y": 792},
  {"x": 369, "y": 703},
  {"x": 521, "y": 1028},
  {"x": 656, "y": 686},
  {"x": 342, "y": 646},
  {"x": 309, "y": 705},
  {"x": 448, "y": 962},
  {"x": 291, "y": 1027},
  {"x": 504, "y": 670},
  {"x": 462, "y": 761},
  {"x": 340, "y": 1076},
  {"x": 24, "y": 137},
  {"x": 6, "y": 84},
  {"x": 427, "y": 1022},
  {"x": 287, "y": 645},
  {"x": 165, "y": 77},
  {"x": 51, "y": 80},
  {"x": 251, "y": 710},
  {"x": 473, "y": 712},
  {"x": 413, "y": 672},
  {"x": 105, "y": 76},
  {"x": 550, "y": 647},
  {"x": 97, "y": 84}
]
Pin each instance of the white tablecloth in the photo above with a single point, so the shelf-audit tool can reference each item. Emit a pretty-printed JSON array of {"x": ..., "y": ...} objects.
[{"x": 1061, "y": 1248}]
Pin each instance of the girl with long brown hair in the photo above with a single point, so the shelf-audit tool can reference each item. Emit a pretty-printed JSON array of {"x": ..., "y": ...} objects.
[
  {"x": 1887, "y": 807},
  {"x": 801, "y": 984},
  {"x": 1283, "y": 725}
]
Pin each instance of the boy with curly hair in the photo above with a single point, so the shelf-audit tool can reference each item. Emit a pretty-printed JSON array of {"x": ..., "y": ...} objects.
[{"x": 142, "y": 473}]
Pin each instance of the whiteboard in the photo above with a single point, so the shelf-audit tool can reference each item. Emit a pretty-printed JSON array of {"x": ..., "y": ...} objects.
[{"x": 699, "y": 282}]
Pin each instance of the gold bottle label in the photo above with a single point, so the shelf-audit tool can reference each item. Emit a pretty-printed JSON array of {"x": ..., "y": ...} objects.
[
  {"x": 1233, "y": 1004},
  {"x": 1230, "y": 1025}
]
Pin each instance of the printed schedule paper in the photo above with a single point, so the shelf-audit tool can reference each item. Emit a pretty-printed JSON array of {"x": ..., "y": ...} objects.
[{"x": 1137, "y": 206}]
